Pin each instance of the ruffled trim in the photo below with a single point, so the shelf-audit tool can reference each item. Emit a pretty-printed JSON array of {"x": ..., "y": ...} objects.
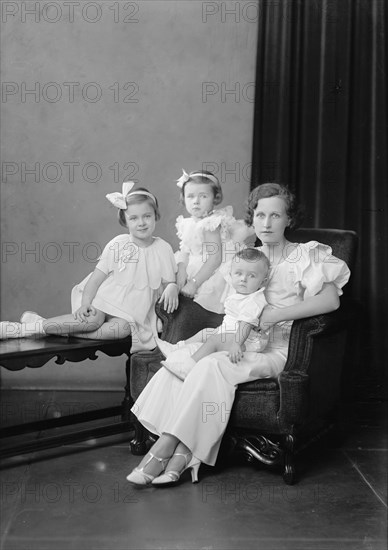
[
  {"x": 222, "y": 219},
  {"x": 315, "y": 265}
]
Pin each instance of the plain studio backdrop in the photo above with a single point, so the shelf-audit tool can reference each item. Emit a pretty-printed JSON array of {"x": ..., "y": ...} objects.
[{"x": 95, "y": 93}]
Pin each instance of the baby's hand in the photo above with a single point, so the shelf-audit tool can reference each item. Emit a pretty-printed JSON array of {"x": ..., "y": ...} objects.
[
  {"x": 170, "y": 298},
  {"x": 189, "y": 289},
  {"x": 235, "y": 352},
  {"x": 83, "y": 312}
]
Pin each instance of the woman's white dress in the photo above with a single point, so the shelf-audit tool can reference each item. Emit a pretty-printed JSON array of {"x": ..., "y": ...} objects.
[
  {"x": 197, "y": 409},
  {"x": 135, "y": 279}
]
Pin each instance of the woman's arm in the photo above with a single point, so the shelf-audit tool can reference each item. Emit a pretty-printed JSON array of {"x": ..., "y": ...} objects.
[
  {"x": 325, "y": 301},
  {"x": 212, "y": 256}
]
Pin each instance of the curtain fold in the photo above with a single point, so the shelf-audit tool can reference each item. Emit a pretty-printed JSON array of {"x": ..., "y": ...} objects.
[{"x": 321, "y": 128}]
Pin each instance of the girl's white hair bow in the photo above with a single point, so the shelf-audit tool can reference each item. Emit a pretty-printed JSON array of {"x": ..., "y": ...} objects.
[
  {"x": 182, "y": 180},
  {"x": 118, "y": 199}
]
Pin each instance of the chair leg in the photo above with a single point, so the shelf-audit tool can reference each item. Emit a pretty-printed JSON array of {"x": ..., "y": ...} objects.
[
  {"x": 289, "y": 473},
  {"x": 127, "y": 401},
  {"x": 139, "y": 442}
]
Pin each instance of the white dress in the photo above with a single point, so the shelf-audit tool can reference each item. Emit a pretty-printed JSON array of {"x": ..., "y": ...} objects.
[
  {"x": 197, "y": 409},
  {"x": 213, "y": 292},
  {"x": 247, "y": 308},
  {"x": 134, "y": 284}
]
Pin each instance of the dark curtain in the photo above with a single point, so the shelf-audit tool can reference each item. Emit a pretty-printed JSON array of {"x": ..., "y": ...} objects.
[{"x": 321, "y": 127}]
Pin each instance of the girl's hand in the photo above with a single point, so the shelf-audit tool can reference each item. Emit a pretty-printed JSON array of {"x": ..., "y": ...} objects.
[
  {"x": 267, "y": 318},
  {"x": 83, "y": 312},
  {"x": 170, "y": 298},
  {"x": 189, "y": 289},
  {"x": 235, "y": 352}
]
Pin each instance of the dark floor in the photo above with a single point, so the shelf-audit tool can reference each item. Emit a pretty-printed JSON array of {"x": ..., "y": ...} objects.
[{"x": 76, "y": 497}]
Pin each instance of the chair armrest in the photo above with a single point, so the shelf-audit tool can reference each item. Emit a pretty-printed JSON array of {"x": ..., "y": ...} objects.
[
  {"x": 186, "y": 321},
  {"x": 303, "y": 332}
]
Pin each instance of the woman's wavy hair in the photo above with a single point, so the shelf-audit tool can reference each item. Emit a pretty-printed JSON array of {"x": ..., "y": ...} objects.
[{"x": 266, "y": 190}]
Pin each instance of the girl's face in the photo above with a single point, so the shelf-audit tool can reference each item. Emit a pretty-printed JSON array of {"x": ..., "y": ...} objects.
[
  {"x": 141, "y": 222},
  {"x": 270, "y": 220},
  {"x": 199, "y": 199}
]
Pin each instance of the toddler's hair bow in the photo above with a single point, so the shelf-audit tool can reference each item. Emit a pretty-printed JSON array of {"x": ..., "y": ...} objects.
[
  {"x": 118, "y": 199},
  {"x": 182, "y": 180}
]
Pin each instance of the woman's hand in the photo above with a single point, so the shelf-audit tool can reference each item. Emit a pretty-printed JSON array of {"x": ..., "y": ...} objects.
[
  {"x": 268, "y": 318},
  {"x": 189, "y": 289},
  {"x": 83, "y": 312},
  {"x": 170, "y": 298},
  {"x": 236, "y": 353}
]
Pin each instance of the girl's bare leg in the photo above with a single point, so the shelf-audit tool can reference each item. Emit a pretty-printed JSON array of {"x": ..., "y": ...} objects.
[{"x": 95, "y": 328}]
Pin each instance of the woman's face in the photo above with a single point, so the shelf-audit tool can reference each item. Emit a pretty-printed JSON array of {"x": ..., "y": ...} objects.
[{"x": 270, "y": 220}]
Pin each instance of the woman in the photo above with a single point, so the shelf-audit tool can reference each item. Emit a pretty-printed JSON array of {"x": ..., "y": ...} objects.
[{"x": 191, "y": 416}]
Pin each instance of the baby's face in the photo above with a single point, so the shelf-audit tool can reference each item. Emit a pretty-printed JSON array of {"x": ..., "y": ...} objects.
[{"x": 247, "y": 277}]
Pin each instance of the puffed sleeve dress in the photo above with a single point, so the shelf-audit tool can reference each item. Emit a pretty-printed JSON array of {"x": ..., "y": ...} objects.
[
  {"x": 197, "y": 409},
  {"x": 135, "y": 278}
]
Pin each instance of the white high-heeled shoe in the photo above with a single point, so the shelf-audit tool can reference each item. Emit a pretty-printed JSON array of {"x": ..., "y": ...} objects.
[
  {"x": 139, "y": 477},
  {"x": 179, "y": 363},
  {"x": 171, "y": 477}
]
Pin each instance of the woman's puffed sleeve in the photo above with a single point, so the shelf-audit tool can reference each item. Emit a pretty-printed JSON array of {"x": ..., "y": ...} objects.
[{"x": 317, "y": 266}]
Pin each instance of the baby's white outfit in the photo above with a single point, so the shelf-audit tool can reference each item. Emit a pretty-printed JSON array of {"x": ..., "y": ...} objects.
[
  {"x": 248, "y": 308},
  {"x": 135, "y": 282},
  {"x": 212, "y": 293}
]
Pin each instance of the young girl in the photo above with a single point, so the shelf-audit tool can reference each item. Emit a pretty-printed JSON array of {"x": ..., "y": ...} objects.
[
  {"x": 248, "y": 275},
  {"x": 118, "y": 299},
  {"x": 205, "y": 240}
]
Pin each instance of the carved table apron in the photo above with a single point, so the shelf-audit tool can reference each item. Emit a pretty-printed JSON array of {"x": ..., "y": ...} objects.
[{"x": 16, "y": 354}]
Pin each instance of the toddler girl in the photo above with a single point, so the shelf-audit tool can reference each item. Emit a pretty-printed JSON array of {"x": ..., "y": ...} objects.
[
  {"x": 248, "y": 273},
  {"x": 205, "y": 240},
  {"x": 118, "y": 299}
]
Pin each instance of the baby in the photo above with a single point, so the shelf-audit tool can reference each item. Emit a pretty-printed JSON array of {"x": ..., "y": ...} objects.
[{"x": 248, "y": 274}]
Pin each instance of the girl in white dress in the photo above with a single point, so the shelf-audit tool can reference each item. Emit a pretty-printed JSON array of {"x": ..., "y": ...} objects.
[
  {"x": 205, "y": 240},
  {"x": 118, "y": 298},
  {"x": 191, "y": 416}
]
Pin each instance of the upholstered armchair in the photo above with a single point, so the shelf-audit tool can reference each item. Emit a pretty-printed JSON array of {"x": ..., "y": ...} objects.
[{"x": 273, "y": 418}]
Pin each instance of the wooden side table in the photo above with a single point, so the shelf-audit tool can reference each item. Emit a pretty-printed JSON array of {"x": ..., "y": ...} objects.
[{"x": 17, "y": 354}]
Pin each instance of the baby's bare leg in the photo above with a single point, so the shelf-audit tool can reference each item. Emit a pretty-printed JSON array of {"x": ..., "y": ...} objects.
[{"x": 216, "y": 342}]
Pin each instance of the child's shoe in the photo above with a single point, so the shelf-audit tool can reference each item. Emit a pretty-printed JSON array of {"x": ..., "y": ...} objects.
[
  {"x": 179, "y": 362},
  {"x": 31, "y": 317}
]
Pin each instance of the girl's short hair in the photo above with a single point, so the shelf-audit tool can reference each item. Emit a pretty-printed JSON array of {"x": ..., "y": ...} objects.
[
  {"x": 200, "y": 176},
  {"x": 133, "y": 198},
  {"x": 266, "y": 190}
]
